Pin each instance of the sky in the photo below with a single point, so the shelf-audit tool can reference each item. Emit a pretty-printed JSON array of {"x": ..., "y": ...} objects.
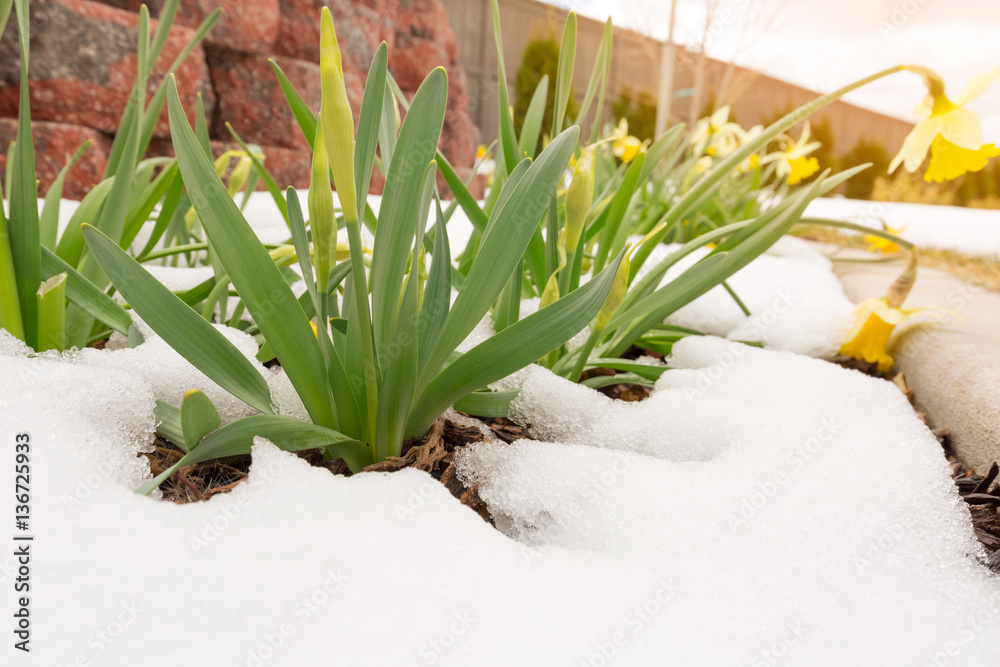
[{"x": 823, "y": 44}]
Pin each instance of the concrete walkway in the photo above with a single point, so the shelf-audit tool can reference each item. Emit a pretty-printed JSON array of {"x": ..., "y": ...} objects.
[{"x": 952, "y": 366}]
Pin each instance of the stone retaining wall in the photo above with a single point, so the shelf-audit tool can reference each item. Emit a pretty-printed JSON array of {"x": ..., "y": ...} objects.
[{"x": 82, "y": 67}]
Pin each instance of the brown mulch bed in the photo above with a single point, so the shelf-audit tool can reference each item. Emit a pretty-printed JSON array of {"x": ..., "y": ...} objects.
[{"x": 435, "y": 456}]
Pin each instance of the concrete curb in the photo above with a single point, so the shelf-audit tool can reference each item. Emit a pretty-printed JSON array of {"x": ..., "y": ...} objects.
[{"x": 952, "y": 366}]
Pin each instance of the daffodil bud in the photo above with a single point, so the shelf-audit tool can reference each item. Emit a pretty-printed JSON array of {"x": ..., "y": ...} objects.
[
  {"x": 239, "y": 176},
  {"x": 551, "y": 292},
  {"x": 321, "y": 219},
  {"x": 221, "y": 164},
  {"x": 615, "y": 296},
  {"x": 579, "y": 199},
  {"x": 336, "y": 117},
  {"x": 283, "y": 254}
]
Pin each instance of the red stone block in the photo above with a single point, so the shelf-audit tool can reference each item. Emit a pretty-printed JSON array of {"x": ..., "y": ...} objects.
[
  {"x": 83, "y": 64},
  {"x": 360, "y": 30},
  {"x": 55, "y": 144},
  {"x": 251, "y": 99},
  {"x": 245, "y": 25}
]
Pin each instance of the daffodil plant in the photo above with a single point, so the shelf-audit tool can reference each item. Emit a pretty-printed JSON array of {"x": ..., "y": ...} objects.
[{"x": 375, "y": 364}]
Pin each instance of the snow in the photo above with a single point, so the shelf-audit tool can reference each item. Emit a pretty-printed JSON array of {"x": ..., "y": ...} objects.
[
  {"x": 819, "y": 502},
  {"x": 617, "y": 548},
  {"x": 970, "y": 231},
  {"x": 796, "y": 302},
  {"x": 761, "y": 507}
]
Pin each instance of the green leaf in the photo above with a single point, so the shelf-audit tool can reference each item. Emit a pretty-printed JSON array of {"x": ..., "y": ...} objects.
[
  {"x": 25, "y": 243},
  {"x": 303, "y": 115},
  {"x": 155, "y": 106},
  {"x": 169, "y": 426},
  {"x": 70, "y": 247},
  {"x": 180, "y": 327},
  {"x": 198, "y": 417},
  {"x": 508, "y": 139},
  {"x": 400, "y": 357},
  {"x": 616, "y": 213},
  {"x": 5, "y": 7},
  {"x": 437, "y": 294},
  {"x": 150, "y": 196},
  {"x": 290, "y": 435},
  {"x": 52, "y": 314},
  {"x": 642, "y": 370},
  {"x": 398, "y": 215},
  {"x": 49, "y": 221},
  {"x": 531, "y": 128},
  {"x": 251, "y": 270},
  {"x": 10, "y": 306},
  {"x": 388, "y": 128},
  {"x": 85, "y": 294},
  {"x": 297, "y": 224},
  {"x": 513, "y": 348},
  {"x": 598, "y": 78},
  {"x": 369, "y": 124},
  {"x": 174, "y": 196},
  {"x": 487, "y": 403},
  {"x": 564, "y": 73},
  {"x": 503, "y": 246}
]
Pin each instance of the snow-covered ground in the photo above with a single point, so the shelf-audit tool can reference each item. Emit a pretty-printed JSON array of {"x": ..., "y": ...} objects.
[
  {"x": 970, "y": 231},
  {"x": 759, "y": 506}
]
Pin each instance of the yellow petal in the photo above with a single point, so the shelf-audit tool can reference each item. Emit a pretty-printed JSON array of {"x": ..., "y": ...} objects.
[
  {"x": 870, "y": 343},
  {"x": 977, "y": 86},
  {"x": 916, "y": 144},
  {"x": 630, "y": 148},
  {"x": 801, "y": 168},
  {"x": 949, "y": 161},
  {"x": 961, "y": 127}
]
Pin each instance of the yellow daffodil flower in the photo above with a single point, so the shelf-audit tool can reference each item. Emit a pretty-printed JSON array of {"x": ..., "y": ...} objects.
[
  {"x": 949, "y": 161},
  {"x": 703, "y": 164},
  {"x": 625, "y": 146},
  {"x": 875, "y": 321},
  {"x": 485, "y": 165},
  {"x": 802, "y": 167},
  {"x": 793, "y": 163},
  {"x": 951, "y": 132},
  {"x": 879, "y": 244},
  {"x": 750, "y": 164},
  {"x": 715, "y": 136}
]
